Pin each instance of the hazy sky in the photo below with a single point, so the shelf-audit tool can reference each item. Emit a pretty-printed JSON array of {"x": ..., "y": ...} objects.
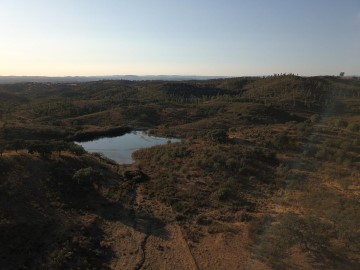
[{"x": 185, "y": 37}]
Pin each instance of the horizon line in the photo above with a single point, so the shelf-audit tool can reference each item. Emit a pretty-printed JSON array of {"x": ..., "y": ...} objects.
[{"x": 172, "y": 75}]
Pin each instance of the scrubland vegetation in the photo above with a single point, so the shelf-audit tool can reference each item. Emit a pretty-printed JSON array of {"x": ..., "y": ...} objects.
[{"x": 273, "y": 163}]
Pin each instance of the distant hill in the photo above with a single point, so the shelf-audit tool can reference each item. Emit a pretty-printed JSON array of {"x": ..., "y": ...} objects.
[{"x": 77, "y": 79}]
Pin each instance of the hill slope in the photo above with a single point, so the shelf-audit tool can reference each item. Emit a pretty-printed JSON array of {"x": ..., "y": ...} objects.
[{"x": 266, "y": 176}]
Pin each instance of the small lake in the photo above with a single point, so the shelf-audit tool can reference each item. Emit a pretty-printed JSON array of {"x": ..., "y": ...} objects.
[{"x": 121, "y": 148}]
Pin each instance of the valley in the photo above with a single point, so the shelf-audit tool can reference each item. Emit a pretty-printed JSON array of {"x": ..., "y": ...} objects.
[{"x": 266, "y": 174}]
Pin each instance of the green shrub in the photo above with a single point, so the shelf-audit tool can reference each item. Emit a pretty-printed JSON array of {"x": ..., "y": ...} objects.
[
  {"x": 222, "y": 194},
  {"x": 322, "y": 154},
  {"x": 231, "y": 163},
  {"x": 86, "y": 176},
  {"x": 340, "y": 123},
  {"x": 43, "y": 148},
  {"x": 340, "y": 156},
  {"x": 76, "y": 149},
  {"x": 354, "y": 127},
  {"x": 280, "y": 140},
  {"x": 315, "y": 118},
  {"x": 304, "y": 129},
  {"x": 2, "y": 149},
  {"x": 217, "y": 136}
]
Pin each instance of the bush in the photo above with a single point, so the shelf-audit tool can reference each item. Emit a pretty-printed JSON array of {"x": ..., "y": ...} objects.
[
  {"x": 259, "y": 226},
  {"x": 315, "y": 118},
  {"x": 280, "y": 140},
  {"x": 340, "y": 123},
  {"x": 76, "y": 149},
  {"x": 217, "y": 136},
  {"x": 322, "y": 154},
  {"x": 2, "y": 149},
  {"x": 340, "y": 156},
  {"x": 231, "y": 163},
  {"x": 86, "y": 176},
  {"x": 354, "y": 127},
  {"x": 222, "y": 194},
  {"x": 43, "y": 148}
]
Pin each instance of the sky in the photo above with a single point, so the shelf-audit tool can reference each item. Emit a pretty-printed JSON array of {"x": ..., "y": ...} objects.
[{"x": 179, "y": 37}]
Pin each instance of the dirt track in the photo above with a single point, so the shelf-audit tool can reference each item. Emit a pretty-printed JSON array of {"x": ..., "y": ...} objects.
[{"x": 147, "y": 243}]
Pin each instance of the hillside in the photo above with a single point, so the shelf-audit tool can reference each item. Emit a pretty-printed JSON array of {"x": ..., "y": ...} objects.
[{"x": 266, "y": 175}]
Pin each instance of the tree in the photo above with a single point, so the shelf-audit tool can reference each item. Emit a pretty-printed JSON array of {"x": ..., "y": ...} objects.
[
  {"x": 76, "y": 149},
  {"x": 281, "y": 140},
  {"x": 59, "y": 146},
  {"x": 17, "y": 145},
  {"x": 2, "y": 148},
  {"x": 86, "y": 176},
  {"x": 342, "y": 74},
  {"x": 43, "y": 148},
  {"x": 217, "y": 136}
]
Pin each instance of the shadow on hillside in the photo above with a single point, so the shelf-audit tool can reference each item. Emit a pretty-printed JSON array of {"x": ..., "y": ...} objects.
[
  {"x": 335, "y": 260},
  {"x": 86, "y": 198},
  {"x": 139, "y": 221},
  {"x": 41, "y": 229},
  {"x": 95, "y": 203}
]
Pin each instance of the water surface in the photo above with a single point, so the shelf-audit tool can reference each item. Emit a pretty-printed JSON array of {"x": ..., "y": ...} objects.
[{"x": 121, "y": 148}]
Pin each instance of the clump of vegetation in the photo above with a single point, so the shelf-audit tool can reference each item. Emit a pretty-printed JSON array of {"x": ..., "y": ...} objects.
[
  {"x": 354, "y": 127},
  {"x": 86, "y": 176},
  {"x": 274, "y": 240},
  {"x": 281, "y": 140},
  {"x": 315, "y": 118},
  {"x": 217, "y": 136},
  {"x": 340, "y": 123}
]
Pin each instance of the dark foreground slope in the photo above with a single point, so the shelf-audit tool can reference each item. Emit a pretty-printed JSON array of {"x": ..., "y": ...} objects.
[
  {"x": 266, "y": 176},
  {"x": 53, "y": 211}
]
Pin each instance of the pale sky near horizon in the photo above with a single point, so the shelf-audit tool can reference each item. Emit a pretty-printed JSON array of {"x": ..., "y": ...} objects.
[{"x": 183, "y": 37}]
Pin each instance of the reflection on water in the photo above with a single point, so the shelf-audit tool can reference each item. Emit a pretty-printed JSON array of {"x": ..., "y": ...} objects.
[{"x": 121, "y": 148}]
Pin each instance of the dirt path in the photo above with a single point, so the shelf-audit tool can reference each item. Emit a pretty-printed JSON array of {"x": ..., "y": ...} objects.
[
  {"x": 187, "y": 248},
  {"x": 143, "y": 257},
  {"x": 145, "y": 242}
]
